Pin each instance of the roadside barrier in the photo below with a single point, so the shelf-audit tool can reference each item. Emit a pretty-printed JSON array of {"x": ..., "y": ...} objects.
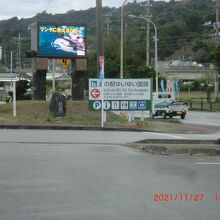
[{"x": 200, "y": 103}]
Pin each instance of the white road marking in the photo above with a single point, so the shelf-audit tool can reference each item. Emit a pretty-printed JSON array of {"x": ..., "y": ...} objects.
[
  {"x": 207, "y": 163},
  {"x": 214, "y": 124},
  {"x": 166, "y": 135},
  {"x": 201, "y": 123}
]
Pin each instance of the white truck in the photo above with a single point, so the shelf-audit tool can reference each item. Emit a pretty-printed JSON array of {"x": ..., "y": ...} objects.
[{"x": 165, "y": 105}]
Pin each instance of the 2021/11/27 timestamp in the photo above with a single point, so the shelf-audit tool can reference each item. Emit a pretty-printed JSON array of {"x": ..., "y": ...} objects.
[
  {"x": 166, "y": 197},
  {"x": 191, "y": 197},
  {"x": 217, "y": 197}
]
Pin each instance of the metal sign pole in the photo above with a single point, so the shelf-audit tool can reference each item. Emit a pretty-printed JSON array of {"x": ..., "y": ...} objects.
[
  {"x": 14, "y": 98},
  {"x": 11, "y": 66},
  {"x": 101, "y": 78},
  {"x": 102, "y": 117}
]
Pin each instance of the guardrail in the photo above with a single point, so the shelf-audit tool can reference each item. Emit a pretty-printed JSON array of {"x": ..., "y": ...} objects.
[
  {"x": 200, "y": 103},
  {"x": 4, "y": 99}
]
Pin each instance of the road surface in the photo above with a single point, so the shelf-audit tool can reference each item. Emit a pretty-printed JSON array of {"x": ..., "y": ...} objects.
[
  {"x": 83, "y": 175},
  {"x": 203, "y": 118},
  {"x": 192, "y": 117}
]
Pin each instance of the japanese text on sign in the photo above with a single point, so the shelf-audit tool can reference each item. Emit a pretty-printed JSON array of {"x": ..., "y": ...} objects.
[
  {"x": 59, "y": 30},
  {"x": 124, "y": 89}
]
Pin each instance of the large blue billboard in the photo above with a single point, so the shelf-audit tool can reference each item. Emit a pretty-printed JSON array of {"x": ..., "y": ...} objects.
[{"x": 61, "y": 40}]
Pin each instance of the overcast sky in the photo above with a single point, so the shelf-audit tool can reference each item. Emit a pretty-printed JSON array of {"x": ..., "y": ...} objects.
[{"x": 29, "y": 8}]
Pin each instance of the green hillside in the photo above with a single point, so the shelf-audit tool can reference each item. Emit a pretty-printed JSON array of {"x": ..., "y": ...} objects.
[{"x": 180, "y": 31}]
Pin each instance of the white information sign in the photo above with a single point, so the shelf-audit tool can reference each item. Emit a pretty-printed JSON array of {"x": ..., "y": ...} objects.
[
  {"x": 120, "y": 94},
  {"x": 120, "y": 89}
]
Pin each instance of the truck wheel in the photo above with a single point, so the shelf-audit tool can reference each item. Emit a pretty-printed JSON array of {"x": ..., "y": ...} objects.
[
  {"x": 164, "y": 115},
  {"x": 183, "y": 116},
  {"x": 151, "y": 114}
]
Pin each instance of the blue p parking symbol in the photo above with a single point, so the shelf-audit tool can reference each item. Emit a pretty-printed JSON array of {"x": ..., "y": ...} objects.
[{"x": 97, "y": 105}]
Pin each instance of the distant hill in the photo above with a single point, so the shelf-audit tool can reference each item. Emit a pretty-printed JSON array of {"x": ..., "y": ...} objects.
[{"x": 180, "y": 31}]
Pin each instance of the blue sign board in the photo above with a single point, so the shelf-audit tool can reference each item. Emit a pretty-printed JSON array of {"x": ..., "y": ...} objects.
[{"x": 61, "y": 40}]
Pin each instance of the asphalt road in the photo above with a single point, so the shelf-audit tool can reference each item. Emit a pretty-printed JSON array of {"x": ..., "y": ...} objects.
[
  {"x": 105, "y": 137},
  {"x": 193, "y": 117},
  {"x": 61, "y": 175},
  {"x": 203, "y": 118}
]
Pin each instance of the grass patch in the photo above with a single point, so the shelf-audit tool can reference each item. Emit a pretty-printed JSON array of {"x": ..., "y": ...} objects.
[
  {"x": 198, "y": 95},
  {"x": 38, "y": 112},
  {"x": 77, "y": 114},
  {"x": 216, "y": 105}
]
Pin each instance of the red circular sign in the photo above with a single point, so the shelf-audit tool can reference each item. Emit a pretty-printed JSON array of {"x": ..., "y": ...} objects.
[{"x": 95, "y": 93}]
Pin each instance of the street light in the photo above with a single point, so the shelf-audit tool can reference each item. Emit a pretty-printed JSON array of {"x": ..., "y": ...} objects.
[
  {"x": 122, "y": 40},
  {"x": 155, "y": 40}
]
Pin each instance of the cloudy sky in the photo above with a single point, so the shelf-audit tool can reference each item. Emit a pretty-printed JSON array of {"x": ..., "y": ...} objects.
[{"x": 28, "y": 8}]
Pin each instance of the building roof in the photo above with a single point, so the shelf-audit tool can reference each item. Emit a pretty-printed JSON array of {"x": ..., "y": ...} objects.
[{"x": 7, "y": 77}]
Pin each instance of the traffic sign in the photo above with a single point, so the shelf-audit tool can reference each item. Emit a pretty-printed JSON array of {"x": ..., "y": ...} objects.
[
  {"x": 102, "y": 71},
  {"x": 95, "y": 93},
  {"x": 106, "y": 105},
  {"x": 97, "y": 105},
  {"x": 101, "y": 60},
  {"x": 142, "y": 105},
  {"x": 65, "y": 62},
  {"x": 120, "y": 94}
]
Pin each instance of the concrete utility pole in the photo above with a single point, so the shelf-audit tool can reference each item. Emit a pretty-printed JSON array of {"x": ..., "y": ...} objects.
[
  {"x": 108, "y": 17},
  {"x": 19, "y": 54},
  {"x": 147, "y": 5},
  {"x": 217, "y": 2},
  {"x": 122, "y": 40},
  {"x": 5, "y": 56},
  {"x": 11, "y": 66},
  {"x": 99, "y": 35},
  {"x": 216, "y": 77},
  {"x": 155, "y": 47}
]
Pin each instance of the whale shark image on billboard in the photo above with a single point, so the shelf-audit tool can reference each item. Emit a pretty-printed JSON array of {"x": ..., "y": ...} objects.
[{"x": 61, "y": 40}]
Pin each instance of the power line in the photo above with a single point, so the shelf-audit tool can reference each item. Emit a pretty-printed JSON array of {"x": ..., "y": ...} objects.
[{"x": 48, "y": 4}]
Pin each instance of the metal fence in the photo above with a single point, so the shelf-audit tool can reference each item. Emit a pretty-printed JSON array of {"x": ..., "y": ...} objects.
[{"x": 200, "y": 104}]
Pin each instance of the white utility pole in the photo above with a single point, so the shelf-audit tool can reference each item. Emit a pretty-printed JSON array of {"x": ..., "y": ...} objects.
[
  {"x": 99, "y": 34},
  {"x": 108, "y": 21},
  {"x": 14, "y": 99},
  {"x": 19, "y": 54},
  {"x": 216, "y": 77},
  {"x": 155, "y": 40},
  {"x": 147, "y": 5},
  {"x": 11, "y": 66},
  {"x": 217, "y": 16},
  {"x": 122, "y": 40}
]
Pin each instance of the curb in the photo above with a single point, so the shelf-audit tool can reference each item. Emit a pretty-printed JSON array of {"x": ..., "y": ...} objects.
[
  {"x": 153, "y": 146},
  {"x": 209, "y": 148},
  {"x": 69, "y": 127},
  {"x": 178, "y": 141}
]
